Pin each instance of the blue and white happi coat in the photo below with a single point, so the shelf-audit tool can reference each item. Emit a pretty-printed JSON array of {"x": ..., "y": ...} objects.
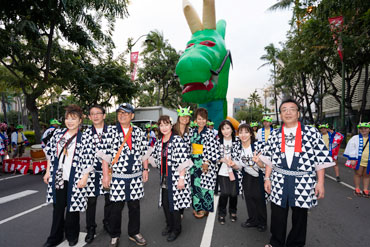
[
  {"x": 235, "y": 156},
  {"x": 354, "y": 150},
  {"x": 76, "y": 197},
  {"x": 295, "y": 186},
  {"x": 94, "y": 182},
  {"x": 127, "y": 173},
  {"x": 178, "y": 158}
]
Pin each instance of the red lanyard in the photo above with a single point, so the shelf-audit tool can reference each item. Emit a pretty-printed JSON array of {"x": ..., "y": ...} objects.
[
  {"x": 166, "y": 152},
  {"x": 298, "y": 139}
]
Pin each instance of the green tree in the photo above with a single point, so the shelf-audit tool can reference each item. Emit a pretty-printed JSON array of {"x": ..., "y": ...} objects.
[
  {"x": 271, "y": 59},
  {"x": 157, "y": 76},
  {"x": 254, "y": 99},
  {"x": 35, "y": 34}
]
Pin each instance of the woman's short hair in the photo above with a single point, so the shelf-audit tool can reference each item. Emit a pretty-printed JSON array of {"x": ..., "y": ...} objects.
[
  {"x": 74, "y": 110},
  {"x": 163, "y": 119},
  {"x": 201, "y": 112},
  {"x": 247, "y": 128}
]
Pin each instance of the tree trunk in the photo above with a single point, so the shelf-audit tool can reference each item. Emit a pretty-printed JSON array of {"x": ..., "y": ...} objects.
[
  {"x": 275, "y": 98},
  {"x": 3, "y": 102},
  {"x": 32, "y": 108},
  {"x": 308, "y": 103}
]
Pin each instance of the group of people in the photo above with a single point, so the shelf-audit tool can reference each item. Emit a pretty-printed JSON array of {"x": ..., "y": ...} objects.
[
  {"x": 194, "y": 164},
  {"x": 12, "y": 141}
]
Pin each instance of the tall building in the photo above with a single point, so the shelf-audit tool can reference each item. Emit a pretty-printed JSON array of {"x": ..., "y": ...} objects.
[{"x": 238, "y": 104}]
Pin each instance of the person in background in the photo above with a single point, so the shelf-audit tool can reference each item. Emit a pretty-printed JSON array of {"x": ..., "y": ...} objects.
[
  {"x": 3, "y": 141},
  {"x": 205, "y": 154},
  {"x": 19, "y": 141},
  {"x": 264, "y": 133},
  {"x": 54, "y": 124},
  {"x": 357, "y": 151},
  {"x": 229, "y": 174},
  {"x": 332, "y": 141},
  {"x": 254, "y": 126},
  {"x": 211, "y": 126},
  {"x": 254, "y": 192},
  {"x": 66, "y": 177},
  {"x": 174, "y": 178},
  {"x": 150, "y": 134}
]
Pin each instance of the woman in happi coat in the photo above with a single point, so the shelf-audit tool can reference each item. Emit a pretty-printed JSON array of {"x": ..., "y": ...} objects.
[
  {"x": 66, "y": 176},
  {"x": 3, "y": 141},
  {"x": 205, "y": 153},
  {"x": 171, "y": 157},
  {"x": 229, "y": 176},
  {"x": 254, "y": 193},
  {"x": 357, "y": 152}
]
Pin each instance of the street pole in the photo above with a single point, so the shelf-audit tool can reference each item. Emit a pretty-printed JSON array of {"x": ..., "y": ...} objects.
[{"x": 342, "y": 101}]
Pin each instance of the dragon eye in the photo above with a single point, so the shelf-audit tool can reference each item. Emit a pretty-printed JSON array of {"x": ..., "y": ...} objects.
[
  {"x": 189, "y": 45},
  {"x": 208, "y": 43}
]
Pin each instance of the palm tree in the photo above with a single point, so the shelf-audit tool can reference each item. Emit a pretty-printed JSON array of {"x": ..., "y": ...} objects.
[
  {"x": 271, "y": 59},
  {"x": 254, "y": 99},
  {"x": 283, "y": 4}
]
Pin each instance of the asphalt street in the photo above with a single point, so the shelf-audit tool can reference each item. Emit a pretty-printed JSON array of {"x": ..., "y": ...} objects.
[{"x": 340, "y": 220}]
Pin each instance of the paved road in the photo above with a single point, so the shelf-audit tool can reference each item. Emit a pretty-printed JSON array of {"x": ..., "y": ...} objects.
[{"x": 340, "y": 219}]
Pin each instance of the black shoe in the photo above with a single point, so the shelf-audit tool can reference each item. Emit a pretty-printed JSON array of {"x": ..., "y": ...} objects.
[
  {"x": 233, "y": 217},
  {"x": 172, "y": 236},
  {"x": 166, "y": 231},
  {"x": 222, "y": 220},
  {"x": 114, "y": 242},
  {"x": 90, "y": 235},
  {"x": 73, "y": 243},
  {"x": 261, "y": 228},
  {"x": 138, "y": 239},
  {"x": 248, "y": 225},
  {"x": 338, "y": 179}
]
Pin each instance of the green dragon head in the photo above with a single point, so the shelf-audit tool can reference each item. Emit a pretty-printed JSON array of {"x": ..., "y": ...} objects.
[{"x": 203, "y": 68}]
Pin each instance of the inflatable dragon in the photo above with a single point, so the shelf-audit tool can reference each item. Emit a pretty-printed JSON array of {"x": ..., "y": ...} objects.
[{"x": 203, "y": 68}]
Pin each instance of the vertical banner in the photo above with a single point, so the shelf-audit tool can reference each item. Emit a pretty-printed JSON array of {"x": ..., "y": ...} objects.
[
  {"x": 134, "y": 58},
  {"x": 336, "y": 26}
]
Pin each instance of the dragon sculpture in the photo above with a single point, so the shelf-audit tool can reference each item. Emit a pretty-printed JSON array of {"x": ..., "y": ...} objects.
[{"x": 203, "y": 68}]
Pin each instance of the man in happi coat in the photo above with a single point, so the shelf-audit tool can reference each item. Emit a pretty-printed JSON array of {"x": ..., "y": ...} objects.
[{"x": 295, "y": 158}]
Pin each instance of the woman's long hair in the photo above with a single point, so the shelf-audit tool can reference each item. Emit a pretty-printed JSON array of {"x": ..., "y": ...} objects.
[
  {"x": 222, "y": 124},
  {"x": 176, "y": 128}
]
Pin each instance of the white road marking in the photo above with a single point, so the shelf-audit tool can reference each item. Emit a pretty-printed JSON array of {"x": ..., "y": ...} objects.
[
  {"x": 208, "y": 229},
  {"x": 23, "y": 213},
  {"x": 16, "y": 196},
  {"x": 343, "y": 183},
  {"x": 81, "y": 241},
  {"x": 15, "y": 176}
]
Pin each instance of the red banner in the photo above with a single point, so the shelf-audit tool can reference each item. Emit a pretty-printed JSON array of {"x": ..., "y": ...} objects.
[
  {"x": 133, "y": 73},
  {"x": 336, "y": 26},
  {"x": 39, "y": 166},
  {"x": 134, "y": 57}
]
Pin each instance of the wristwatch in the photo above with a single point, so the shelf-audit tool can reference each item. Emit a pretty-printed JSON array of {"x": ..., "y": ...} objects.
[
  {"x": 266, "y": 178},
  {"x": 182, "y": 177},
  {"x": 146, "y": 169}
]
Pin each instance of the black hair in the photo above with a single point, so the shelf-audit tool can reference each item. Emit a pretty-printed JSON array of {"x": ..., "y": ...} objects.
[
  {"x": 99, "y": 107},
  {"x": 222, "y": 124},
  {"x": 289, "y": 100}
]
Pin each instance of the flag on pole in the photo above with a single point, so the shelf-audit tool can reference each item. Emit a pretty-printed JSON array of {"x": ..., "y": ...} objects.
[
  {"x": 336, "y": 26},
  {"x": 134, "y": 58}
]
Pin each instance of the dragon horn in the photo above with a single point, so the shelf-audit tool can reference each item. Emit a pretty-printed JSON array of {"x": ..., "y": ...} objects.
[
  {"x": 209, "y": 14},
  {"x": 191, "y": 17}
]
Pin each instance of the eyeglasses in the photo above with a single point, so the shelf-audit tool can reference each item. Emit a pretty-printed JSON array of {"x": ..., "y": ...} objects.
[
  {"x": 123, "y": 113},
  {"x": 96, "y": 114},
  {"x": 286, "y": 110}
]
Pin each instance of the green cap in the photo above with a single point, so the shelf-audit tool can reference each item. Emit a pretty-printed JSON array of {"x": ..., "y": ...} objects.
[
  {"x": 363, "y": 125},
  {"x": 326, "y": 126},
  {"x": 155, "y": 126},
  {"x": 148, "y": 125},
  {"x": 210, "y": 123},
  {"x": 267, "y": 118},
  {"x": 182, "y": 112},
  {"x": 254, "y": 124},
  {"x": 193, "y": 124},
  {"x": 20, "y": 126},
  {"x": 54, "y": 121}
]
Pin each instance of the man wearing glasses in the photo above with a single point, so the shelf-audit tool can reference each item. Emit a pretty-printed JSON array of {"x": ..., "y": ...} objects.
[
  {"x": 295, "y": 157},
  {"x": 125, "y": 168},
  {"x": 94, "y": 185}
]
